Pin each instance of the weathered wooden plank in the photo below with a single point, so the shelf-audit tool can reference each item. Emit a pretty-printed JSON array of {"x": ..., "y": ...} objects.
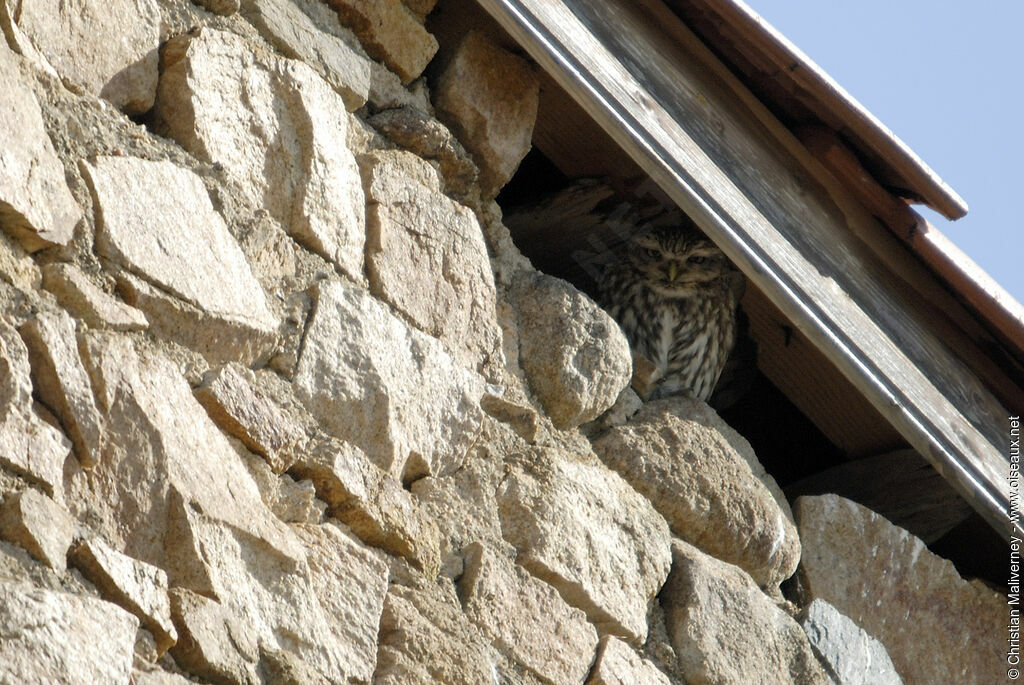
[
  {"x": 715, "y": 151},
  {"x": 763, "y": 54}
]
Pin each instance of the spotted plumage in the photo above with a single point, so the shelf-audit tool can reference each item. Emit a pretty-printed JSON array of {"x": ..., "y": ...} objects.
[{"x": 674, "y": 294}]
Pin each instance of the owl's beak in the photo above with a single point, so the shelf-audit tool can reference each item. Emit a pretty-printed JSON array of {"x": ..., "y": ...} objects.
[{"x": 672, "y": 271}]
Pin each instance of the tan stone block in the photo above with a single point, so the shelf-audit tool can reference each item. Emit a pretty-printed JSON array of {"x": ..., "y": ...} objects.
[
  {"x": 489, "y": 98},
  {"x": 86, "y": 301},
  {"x": 36, "y": 206},
  {"x": 618, "y": 664},
  {"x": 135, "y": 586},
  {"x": 104, "y": 47},
  {"x": 901, "y": 594},
  {"x": 390, "y": 32},
  {"x": 35, "y": 522},
  {"x": 704, "y": 479},
  {"x": 213, "y": 644}
]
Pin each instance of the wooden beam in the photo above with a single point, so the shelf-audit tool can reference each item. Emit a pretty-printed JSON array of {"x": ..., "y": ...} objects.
[{"x": 750, "y": 185}]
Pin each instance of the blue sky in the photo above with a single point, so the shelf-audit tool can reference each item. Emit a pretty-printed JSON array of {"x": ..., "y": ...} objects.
[{"x": 946, "y": 77}]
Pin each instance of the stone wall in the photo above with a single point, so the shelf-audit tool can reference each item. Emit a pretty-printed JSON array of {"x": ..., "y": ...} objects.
[{"x": 280, "y": 401}]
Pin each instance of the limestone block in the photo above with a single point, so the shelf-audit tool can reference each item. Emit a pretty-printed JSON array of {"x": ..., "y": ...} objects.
[
  {"x": 391, "y": 390},
  {"x": 16, "y": 264},
  {"x": 155, "y": 220},
  {"x": 850, "y": 656},
  {"x": 426, "y": 256},
  {"x": 61, "y": 382},
  {"x": 36, "y": 206},
  {"x": 351, "y": 581},
  {"x": 427, "y": 137},
  {"x": 28, "y": 445},
  {"x": 725, "y": 630},
  {"x": 421, "y": 8},
  {"x": 526, "y": 619},
  {"x": 172, "y": 491},
  {"x": 279, "y": 131},
  {"x": 425, "y": 639},
  {"x": 213, "y": 644},
  {"x": 390, "y": 32},
  {"x": 575, "y": 357},
  {"x": 618, "y": 664},
  {"x": 374, "y": 506},
  {"x": 86, "y": 301},
  {"x": 42, "y": 527},
  {"x": 104, "y": 47},
  {"x": 133, "y": 585},
  {"x": 579, "y": 527},
  {"x": 489, "y": 97},
  {"x": 697, "y": 473},
  {"x": 245, "y": 412},
  {"x": 888, "y": 583},
  {"x": 56, "y": 637},
  {"x": 295, "y": 34}
]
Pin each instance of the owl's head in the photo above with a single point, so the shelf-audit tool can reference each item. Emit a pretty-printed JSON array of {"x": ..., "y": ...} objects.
[{"x": 678, "y": 261}]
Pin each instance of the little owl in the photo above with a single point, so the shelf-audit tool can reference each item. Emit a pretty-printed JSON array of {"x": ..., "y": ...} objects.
[{"x": 675, "y": 294}]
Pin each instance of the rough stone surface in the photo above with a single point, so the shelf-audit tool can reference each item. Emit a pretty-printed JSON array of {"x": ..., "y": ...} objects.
[
  {"x": 582, "y": 529},
  {"x": 104, "y": 47},
  {"x": 489, "y": 97},
  {"x": 412, "y": 228},
  {"x": 244, "y": 411},
  {"x": 135, "y": 586},
  {"x": 36, "y": 206},
  {"x": 28, "y": 445},
  {"x": 725, "y": 630},
  {"x": 391, "y": 390},
  {"x": 278, "y": 130},
  {"x": 213, "y": 644},
  {"x": 142, "y": 209},
  {"x": 35, "y": 522},
  {"x": 420, "y": 133},
  {"x": 61, "y": 382},
  {"x": 682, "y": 457},
  {"x": 171, "y": 491},
  {"x": 525, "y": 619},
  {"x": 56, "y": 637},
  {"x": 421, "y": 8},
  {"x": 618, "y": 664},
  {"x": 425, "y": 638},
  {"x": 373, "y": 505},
  {"x": 224, "y": 8},
  {"x": 888, "y": 583},
  {"x": 296, "y": 35},
  {"x": 390, "y": 32},
  {"x": 84, "y": 300},
  {"x": 850, "y": 656},
  {"x": 350, "y": 580},
  {"x": 575, "y": 356}
]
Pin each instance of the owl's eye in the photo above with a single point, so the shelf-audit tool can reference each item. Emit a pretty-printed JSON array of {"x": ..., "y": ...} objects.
[
  {"x": 651, "y": 252},
  {"x": 697, "y": 259}
]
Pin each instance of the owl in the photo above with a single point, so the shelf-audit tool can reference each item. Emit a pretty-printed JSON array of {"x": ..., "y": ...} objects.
[{"x": 674, "y": 293}]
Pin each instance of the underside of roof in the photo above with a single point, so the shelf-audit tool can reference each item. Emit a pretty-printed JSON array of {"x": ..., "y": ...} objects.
[{"x": 823, "y": 251}]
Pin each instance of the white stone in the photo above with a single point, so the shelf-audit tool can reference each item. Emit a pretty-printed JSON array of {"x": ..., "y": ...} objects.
[
  {"x": 35, "y": 204},
  {"x": 105, "y": 47},
  {"x": 390, "y": 32},
  {"x": 581, "y": 528},
  {"x": 38, "y": 524},
  {"x": 28, "y": 445},
  {"x": 705, "y": 480},
  {"x": 389, "y": 389},
  {"x": 134, "y": 585},
  {"x": 525, "y": 619},
  {"x": 295, "y": 34},
  {"x": 279, "y": 131},
  {"x": 618, "y": 664},
  {"x": 86, "y": 301},
  {"x": 850, "y": 655},
  {"x": 888, "y": 583},
  {"x": 426, "y": 256},
  {"x": 61, "y": 382},
  {"x": 156, "y": 221},
  {"x": 56, "y": 637}
]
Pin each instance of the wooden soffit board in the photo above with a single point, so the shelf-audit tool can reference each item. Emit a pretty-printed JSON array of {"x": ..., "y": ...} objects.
[{"x": 751, "y": 186}]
